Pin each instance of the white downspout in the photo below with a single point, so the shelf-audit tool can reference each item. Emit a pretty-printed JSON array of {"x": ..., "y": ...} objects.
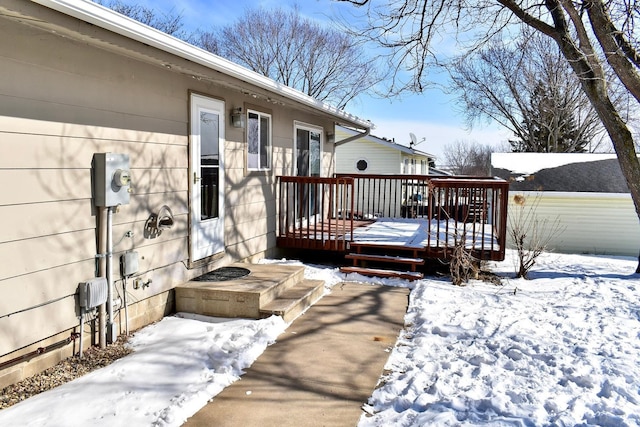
[{"x": 353, "y": 137}]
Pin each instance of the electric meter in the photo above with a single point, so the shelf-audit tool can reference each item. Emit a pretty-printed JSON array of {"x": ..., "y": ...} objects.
[{"x": 111, "y": 179}]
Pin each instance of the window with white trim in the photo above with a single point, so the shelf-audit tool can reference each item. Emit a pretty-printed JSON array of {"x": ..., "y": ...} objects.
[
  {"x": 423, "y": 167},
  {"x": 258, "y": 140}
]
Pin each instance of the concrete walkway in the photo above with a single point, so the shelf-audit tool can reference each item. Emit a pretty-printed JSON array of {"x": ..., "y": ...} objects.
[{"x": 322, "y": 369}]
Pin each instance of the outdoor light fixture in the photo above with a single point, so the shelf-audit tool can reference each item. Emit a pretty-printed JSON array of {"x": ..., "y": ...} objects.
[{"x": 237, "y": 118}]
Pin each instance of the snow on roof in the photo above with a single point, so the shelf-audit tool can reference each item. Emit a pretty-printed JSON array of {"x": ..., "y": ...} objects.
[
  {"x": 108, "y": 19},
  {"x": 560, "y": 172},
  {"x": 529, "y": 163}
]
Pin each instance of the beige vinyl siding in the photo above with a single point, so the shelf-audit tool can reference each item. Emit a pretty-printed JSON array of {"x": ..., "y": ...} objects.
[
  {"x": 61, "y": 101},
  {"x": 40, "y": 150},
  {"x": 282, "y": 161},
  {"x": 594, "y": 223}
]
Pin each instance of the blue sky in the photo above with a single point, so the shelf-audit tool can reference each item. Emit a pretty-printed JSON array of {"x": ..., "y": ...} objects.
[{"x": 429, "y": 115}]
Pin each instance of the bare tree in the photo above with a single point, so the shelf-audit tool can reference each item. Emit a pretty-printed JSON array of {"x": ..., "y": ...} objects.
[
  {"x": 168, "y": 22},
  {"x": 321, "y": 62},
  {"x": 525, "y": 86},
  {"x": 468, "y": 158},
  {"x": 530, "y": 234},
  {"x": 592, "y": 35},
  {"x": 463, "y": 266}
]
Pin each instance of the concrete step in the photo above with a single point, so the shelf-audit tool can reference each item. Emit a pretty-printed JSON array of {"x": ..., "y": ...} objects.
[
  {"x": 294, "y": 300},
  {"x": 242, "y": 297},
  {"x": 379, "y": 272}
]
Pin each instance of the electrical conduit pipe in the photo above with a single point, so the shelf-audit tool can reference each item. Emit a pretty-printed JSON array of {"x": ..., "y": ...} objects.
[{"x": 111, "y": 332}]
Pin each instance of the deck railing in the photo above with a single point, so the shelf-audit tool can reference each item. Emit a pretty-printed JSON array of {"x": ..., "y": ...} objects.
[
  {"x": 478, "y": 206},
  {"x": 319, "y": 213},
  {"x": 312, "y": 212}
]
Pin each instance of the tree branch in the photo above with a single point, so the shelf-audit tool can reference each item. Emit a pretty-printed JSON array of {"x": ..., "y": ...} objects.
[{"x": 608, "y": 37}]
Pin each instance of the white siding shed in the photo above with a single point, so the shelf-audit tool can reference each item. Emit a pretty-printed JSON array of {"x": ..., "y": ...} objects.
[{"x": 585, "y": 193}]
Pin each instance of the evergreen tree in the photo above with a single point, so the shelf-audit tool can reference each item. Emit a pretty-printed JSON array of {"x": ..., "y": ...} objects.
[{"x": 551, "y": 124}]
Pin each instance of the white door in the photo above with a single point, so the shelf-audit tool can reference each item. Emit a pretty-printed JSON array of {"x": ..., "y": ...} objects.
[{"x": 207, "y": 176}]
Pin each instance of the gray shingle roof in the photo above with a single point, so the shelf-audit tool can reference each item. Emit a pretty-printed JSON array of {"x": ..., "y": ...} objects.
[{"x": 602, "y": 176}]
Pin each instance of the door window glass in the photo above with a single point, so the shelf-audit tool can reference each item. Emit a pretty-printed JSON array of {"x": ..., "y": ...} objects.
[
  {"x": 308, "y": 152},
  {"x": 209, "y": 164}
]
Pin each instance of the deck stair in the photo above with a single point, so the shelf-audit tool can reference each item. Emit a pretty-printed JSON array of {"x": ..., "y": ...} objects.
[
  {"x": 269, "y": 289},
  {"x": 367, "y": 259}
]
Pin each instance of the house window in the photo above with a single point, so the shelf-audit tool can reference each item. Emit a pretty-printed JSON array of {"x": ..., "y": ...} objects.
[
  {"x": 362, "y": 165},
  {"x": 406, "y": 167},
  {"x": 258, "y": 141},
  {"x": 423, "y": 167}
]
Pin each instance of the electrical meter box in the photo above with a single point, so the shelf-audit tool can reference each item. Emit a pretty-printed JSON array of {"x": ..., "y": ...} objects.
[
  {"x": 111, "y": 179},
  {"x": 129, "y": 263},
  {"x": 93, "y": 292}
]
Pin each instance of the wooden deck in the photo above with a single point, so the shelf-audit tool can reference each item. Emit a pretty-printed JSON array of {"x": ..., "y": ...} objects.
[
  {"x": 402, "y": 217},
  {"x": 329, "y": 235},
  {"x": 427, "y": 238}
]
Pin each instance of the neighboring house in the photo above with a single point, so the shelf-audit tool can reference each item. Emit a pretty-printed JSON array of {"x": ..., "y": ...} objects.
[
  {"x": 372, "y": 155},
  {"x": 196, "y": 139},
  {"x": 585, "y": 192}
]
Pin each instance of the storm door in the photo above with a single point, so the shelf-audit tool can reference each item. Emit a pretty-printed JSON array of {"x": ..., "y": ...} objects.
[{"x": 207, "y": 176}]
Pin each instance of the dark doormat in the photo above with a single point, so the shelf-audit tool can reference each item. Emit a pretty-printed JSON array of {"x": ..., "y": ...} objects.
[{"x": 222, "y": 274}]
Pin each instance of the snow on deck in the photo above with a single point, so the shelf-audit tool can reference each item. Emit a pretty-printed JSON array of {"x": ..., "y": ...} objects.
[{"x": 416, "y": 233}]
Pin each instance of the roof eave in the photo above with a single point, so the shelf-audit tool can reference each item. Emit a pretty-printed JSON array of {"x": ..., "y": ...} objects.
[{"x": 103, "y": 17}]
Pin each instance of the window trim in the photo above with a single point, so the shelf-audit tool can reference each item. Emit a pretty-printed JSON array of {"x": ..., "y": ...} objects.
[{"x": 260, "y": 114}]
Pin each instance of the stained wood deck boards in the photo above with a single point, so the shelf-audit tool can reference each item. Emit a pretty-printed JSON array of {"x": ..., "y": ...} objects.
[
  {"x": 384, "y": 258},
  {"x": 378, "y": 272},
  {"x": 417, "y": 238},
  {"x": 334, "y": 228}
]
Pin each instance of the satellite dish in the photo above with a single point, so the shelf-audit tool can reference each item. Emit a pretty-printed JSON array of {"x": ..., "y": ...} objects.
[{"x": 414, "y": 140}]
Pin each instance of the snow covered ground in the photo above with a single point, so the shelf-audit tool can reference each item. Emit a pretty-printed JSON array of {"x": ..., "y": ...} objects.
[{"x": 560, "y": 349}]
